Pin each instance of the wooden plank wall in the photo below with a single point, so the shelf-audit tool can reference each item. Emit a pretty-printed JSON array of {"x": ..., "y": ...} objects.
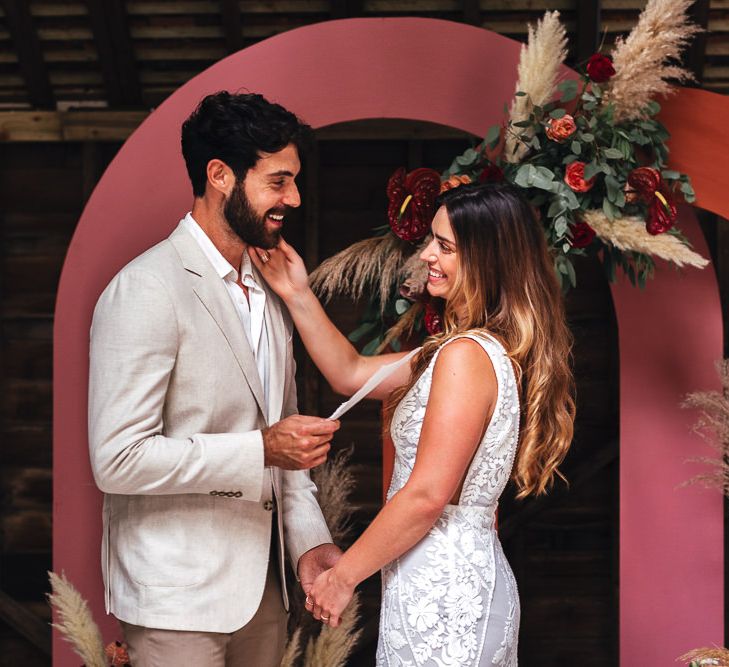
[
  {"x": 564, "y": 553},
  {"x": 139, "y": 51}
]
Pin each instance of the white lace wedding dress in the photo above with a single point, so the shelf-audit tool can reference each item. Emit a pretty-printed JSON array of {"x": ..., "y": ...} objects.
[{"x": 452, "y": 599}]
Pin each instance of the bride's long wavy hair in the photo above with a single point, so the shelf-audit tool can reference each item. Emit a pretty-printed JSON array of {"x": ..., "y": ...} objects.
[{"x": 506, "y": 286}]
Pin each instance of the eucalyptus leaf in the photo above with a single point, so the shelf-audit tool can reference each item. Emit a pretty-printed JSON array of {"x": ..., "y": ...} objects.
[
  {"x": 587, "y": 136},
  {"x": 613, "y": 153},
  {"x": 402, "y": 306},
  {"x": 369, "y": 349},
  {"x": 570, "y": 158},
  {"x": 569, "y": 89},
  {"x": 557, "y": 113},
  {"x": 591, "y": 169},
  {"x": 670, "y": 174},
  {"x": 522, "y": 176},
  {"x": 493, "y": 134},
  {"x": 520, "y": 93},
  {"x": 523, "y": 123},
  {"x": 571, "y": 273},
  {"x": 362, "y": 330},
  {"x": 576, "y": 147}
]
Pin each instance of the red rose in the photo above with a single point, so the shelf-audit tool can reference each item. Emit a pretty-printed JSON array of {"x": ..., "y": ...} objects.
[
  {"x": 600, "y": 68},
  {"x": 491, "y": 174},
  {"x": 412, "y": 202},
  {"x": 574, "y": 176},
  {"x": 559, "y": 129},
  {"x": 455, "y": 181},
  {"x": 646, "y": 185},
  {"x": 433, "y": 321},
  {"x": 582, "y": 234}
]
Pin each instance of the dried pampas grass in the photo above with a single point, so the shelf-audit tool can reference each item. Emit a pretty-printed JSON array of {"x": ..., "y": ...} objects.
[
  {"x": 326, "y": 646},
  {"x": 629, "y": 233},
  {"x": 75, "y": 622},
  {"x": 713, "y": 426},
  {"x": 336, "y": 482},
  {"x": 402, "y": 328},
  {"x": 333, "y": 645},
  {"x": 648, "y": 58},
  {"x": 707, "y": 656},
  {"x": 365, "y": 263},
  {"x": 538, "y": 70}
]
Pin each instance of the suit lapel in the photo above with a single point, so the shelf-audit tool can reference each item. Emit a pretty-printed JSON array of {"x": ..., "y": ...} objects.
[{"x": 209, "y": 288}]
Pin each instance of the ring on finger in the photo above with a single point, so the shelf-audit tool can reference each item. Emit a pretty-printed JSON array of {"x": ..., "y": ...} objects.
[
  {"x": 308, "y": 601},
  {"x": 325, "y": 618},
  {"x": 265, "y": 256}
]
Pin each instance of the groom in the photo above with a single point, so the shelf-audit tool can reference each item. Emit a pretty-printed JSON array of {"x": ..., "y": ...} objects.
[{"x": 194, "y": 436}]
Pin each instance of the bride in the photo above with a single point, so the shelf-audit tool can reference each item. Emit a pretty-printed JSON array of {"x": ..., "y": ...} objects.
[{"x": 487, "y": 399}]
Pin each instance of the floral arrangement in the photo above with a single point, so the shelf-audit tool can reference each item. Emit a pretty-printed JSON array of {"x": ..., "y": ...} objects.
[{"x": 588, "y": 153}]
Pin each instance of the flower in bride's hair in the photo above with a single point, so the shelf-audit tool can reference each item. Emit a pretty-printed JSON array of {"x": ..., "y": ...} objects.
[
  {"x": 433, "y": 321},
  {"x": 559, "y": 129},
  {"x": 412, "y": 202},
  {"x": 454, "y": 181},
  {"x": 574, "y": 176},
  {"x": 647, "y": 185},
  {"x": 491, "y": 174}
]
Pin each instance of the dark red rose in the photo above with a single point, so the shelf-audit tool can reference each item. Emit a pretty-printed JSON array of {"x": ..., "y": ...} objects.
[
  {"x": 491, "y": 174},
  {"x": 117, "y": 654},
  {"x": 582, "y": 234},
  {"x": 433, "y": 321},
  {"x": 600, "y": 68},
  {"x": 412, "y": 202},
  {"x": 645, "y": 184},
  {"x": 574, "y": 176}
]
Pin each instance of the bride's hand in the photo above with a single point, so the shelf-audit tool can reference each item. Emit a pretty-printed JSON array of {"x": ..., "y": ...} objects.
[
  {"x": 284, "y": 270},
  {"x": 329, "y": 597}
]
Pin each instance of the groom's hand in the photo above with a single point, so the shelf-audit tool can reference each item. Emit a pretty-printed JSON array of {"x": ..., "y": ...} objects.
[
  {"x": 298, "y": 442},
  {"x": 315, "y": 561}
]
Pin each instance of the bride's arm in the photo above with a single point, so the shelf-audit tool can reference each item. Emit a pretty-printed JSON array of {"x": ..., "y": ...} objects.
[
  {"x": 462, "y": 398},
  {"x": 344, "y": 368}
]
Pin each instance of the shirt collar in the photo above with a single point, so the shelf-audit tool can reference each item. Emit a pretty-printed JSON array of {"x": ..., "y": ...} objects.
[{"x": 221, "y": 265}]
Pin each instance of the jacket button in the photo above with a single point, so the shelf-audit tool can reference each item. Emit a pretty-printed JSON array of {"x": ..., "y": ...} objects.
[{"x": 268, "y": 505}]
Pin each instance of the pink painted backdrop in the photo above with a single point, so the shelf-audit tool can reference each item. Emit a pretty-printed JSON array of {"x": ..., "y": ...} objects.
[{"x": 448, "y": 73}]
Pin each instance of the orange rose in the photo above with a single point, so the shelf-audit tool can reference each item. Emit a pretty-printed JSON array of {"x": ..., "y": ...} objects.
[
  {"x": 574, "y": 176},
  {"x": 454, "y": 181},
  {"x": 559, "y": 129}
]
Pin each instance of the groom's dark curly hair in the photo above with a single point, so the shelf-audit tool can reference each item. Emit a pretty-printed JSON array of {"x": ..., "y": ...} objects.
[{"x": 237, "y": 128}]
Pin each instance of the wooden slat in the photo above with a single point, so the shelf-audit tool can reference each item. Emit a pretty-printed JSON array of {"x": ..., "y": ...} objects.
[
  {"x": 30, "y": 56},
  {"x": 25, "y": 623},
  {"x": 116, "y": 52},
  {"x": 472, "y": 12},
  {"x": 232, "y": 25},
  {"x": 695, "y": 55},
  {"x": 588, "y": 29}
]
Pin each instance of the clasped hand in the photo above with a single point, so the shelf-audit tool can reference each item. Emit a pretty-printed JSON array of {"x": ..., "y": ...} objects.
[{"x": 328, "y": 597}]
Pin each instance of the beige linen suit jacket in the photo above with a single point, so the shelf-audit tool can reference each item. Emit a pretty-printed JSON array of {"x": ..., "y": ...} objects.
[{"x": 175, "y": 411}]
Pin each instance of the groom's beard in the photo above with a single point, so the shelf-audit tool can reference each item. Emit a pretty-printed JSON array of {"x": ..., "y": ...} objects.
[{"x": 248, "y": 226}]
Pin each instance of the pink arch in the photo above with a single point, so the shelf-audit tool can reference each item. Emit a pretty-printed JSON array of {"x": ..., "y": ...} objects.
[{"x": 448, "y": 73}]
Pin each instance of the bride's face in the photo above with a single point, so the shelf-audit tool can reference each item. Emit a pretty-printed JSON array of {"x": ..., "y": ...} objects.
[{"x": 441, "y": 256}]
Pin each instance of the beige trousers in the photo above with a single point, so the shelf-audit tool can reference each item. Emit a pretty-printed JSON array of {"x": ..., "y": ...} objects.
[{"x": 259, "y": 643}]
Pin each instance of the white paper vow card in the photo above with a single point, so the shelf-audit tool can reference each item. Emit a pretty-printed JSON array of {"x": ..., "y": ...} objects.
[{"x": 368, "y": 386}]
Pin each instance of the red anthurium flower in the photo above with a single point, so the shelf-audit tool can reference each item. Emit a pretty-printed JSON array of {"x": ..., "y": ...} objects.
[
  {"x": 412, "y": 202},
  {"x": 646, "y": 185},
  {"x": 600, "y": 68},
  {"x": 582, "y": 234}
]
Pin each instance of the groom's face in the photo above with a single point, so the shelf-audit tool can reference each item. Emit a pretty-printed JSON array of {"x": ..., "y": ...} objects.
[{"x": 256, "y": 207}]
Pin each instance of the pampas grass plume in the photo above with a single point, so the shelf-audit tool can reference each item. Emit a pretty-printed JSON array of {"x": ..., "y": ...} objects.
[
  {"x": 333, "y": 645},
  {"x": 707, "y": 656},
  {"x": 539, "y": 64},
  {"x": 648, "y": 57},
  {"x": 75, "y": 622},
  {"x": 713, "y": 426},
  {"x": 629, "y": 233}
]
